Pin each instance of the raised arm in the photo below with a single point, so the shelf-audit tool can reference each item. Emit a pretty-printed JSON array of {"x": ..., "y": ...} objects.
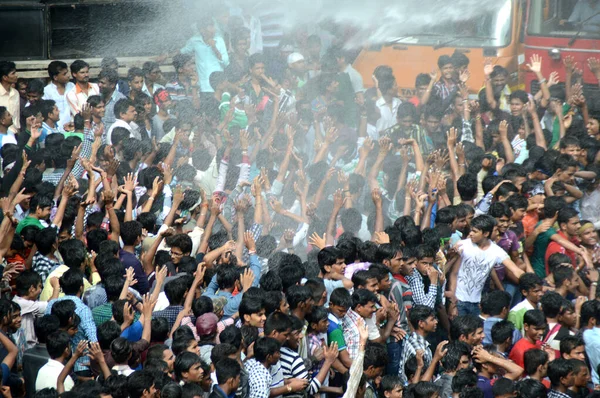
[{"x": 489, "y": 90}]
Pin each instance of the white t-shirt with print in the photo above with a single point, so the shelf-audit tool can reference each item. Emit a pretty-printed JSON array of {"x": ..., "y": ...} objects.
[{"x": 475, "y": 268}]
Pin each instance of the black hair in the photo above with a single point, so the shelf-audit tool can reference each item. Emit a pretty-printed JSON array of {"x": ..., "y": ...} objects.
[
  {"x": 160, "y": 329},
  {"x": 121, "y": 350},
  {"x": 464, "y": 325},
  {"x": 562, "y": 274},
  {"x": 503, "y": 386},
  {"x": 227, "y": 369},
  {"x": 138, "y": 382},
  {"x": 569, "y": 343},
  {"x": 494, "y": 302},
  {"x": 265, "y": 346},
  {"x": 501, "y": 331},
  {"x": 298, "y": 294},
  {"x": 222, "y": 351},
  {"x": 375, "y": 356},
  {"x": 130, "y": 232},
  {"x": 463, "y": 378},
  {"x": 181, "y": 340},
  {"x": 55, "y": 67},
  {"x": 57, "y": 343},
  {"x": 420, "y": 313},
  {"x": 231, "y": 335},
  {"x": 107, "y": 332},
  {"x": 455, "y": 351},
  {"x": 360, "y": 278},
  {"x": 25, "y": 280},
  {"x": 467, "y": 186},
  {"x": 389, "y": 383},
  {"x": 484, "y": 223},
  {"x": 175, "y": 290},
  {"x": 45, "y": 326},
  {"x": 277, "y": 322},
  {"x": 341, "y": 297},
  {"x": 71, "y": 281},
  {"x": 558, "y": 369},
  {"x": 534, "y": 318},
  {"x": 552, "y": 303},
  {"x": 363, "y": 297},
  {"x": 533, "y": 359},
  {"x": 249, "y": 306},
  {"x": 78, "y": 65},
  {"x": 422, "y": 389},
  {"x": 531, "y": 388},
  {"x": 529, "y": 281}
]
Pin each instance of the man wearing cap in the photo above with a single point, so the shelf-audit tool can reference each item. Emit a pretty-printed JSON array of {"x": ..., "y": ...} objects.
[
  {"x": 206, "y": 326},
  {"x": 297, "y": 67}
]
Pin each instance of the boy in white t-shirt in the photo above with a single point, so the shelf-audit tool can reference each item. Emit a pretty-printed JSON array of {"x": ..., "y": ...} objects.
[{"x": 478, "y": 255}]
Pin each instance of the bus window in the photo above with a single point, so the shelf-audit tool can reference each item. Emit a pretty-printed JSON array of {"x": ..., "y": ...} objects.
[{"x": 564, "y": 18}]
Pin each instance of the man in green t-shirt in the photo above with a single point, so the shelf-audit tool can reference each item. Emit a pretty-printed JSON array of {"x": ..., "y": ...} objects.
[{"x": 39, "y": 209}]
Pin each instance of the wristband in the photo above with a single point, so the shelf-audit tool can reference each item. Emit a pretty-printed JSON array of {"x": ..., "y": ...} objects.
[
  {"x": 543, "y": 81},
  {"x": 251, "y": 252},
  {"x": 594, "y": 283}
]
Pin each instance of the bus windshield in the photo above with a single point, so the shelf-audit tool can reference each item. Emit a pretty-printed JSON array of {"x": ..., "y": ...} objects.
[
  {"x": 564, "y": 18},
  {"x": 490, "y": 29}
]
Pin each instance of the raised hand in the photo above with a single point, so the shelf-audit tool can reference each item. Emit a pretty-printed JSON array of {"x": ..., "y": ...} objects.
[
  {"x": 317, "y": 241},
  {"x": 488, "y": 67},
  {"x": 594, "y": 65},
  {"x": 535, "y": 64},
  {"x": 249, "y": 241},
  {"x": 553, "y": 79}
]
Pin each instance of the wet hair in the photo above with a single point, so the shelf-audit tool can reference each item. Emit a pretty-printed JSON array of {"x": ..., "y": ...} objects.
[
  {"x": 531, "y": 388},
  {"x": 502, "y": 331},
  {"x": 464, "y": 325},
  {"x": 535, "y": 318},
  {"x": 78, "y": 65},
  {"x": 558, "y": 369},
  {"x": 455, "y": 351}
]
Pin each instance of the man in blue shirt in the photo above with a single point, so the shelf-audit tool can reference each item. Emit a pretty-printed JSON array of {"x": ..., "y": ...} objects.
[{"x": 210, "y": 53}]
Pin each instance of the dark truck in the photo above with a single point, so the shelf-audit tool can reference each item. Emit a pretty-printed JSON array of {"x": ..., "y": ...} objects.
[{"x": 33, "y": 32}]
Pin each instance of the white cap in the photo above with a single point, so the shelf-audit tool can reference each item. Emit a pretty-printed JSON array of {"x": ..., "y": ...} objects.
[{"x": 294, "y": 57}]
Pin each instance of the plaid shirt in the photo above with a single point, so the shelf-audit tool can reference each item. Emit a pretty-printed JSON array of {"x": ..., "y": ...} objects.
[
  {"x": 102, "y": 313},
  {"x": 170, "y": 314},
  {"x": 418, "y": 290},
  {"x": 557, "y": 394},
  {"x": 351, "y": 333},
  {"x": 316, "y": 341},
  {"x": 53, "y": 176},
  {"x": 259, "y": 379},
  {"x": 43, "y": 265},
  {"x": 442, "y": 91},
  {"x": 87, "y": 327},
  {"x": 412, "y": 343}
]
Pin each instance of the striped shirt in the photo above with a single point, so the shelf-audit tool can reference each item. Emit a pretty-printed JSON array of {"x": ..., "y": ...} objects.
[{"x": 292, "y": 366}]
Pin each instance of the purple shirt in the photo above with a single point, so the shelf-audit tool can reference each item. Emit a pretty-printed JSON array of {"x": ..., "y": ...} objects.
[
  {"x": 130, "y": 260},
  {"x": 485, "y": 385},
  {"x": 509, "y": 243}
]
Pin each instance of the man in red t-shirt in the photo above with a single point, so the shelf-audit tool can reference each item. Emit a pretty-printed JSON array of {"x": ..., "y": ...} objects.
[
  {"x": 534, "y": 325},
  {"x": 568, "y": 224}
]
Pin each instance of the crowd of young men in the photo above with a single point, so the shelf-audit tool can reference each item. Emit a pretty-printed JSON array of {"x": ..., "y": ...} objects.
[{"x": 261, "y": 225}]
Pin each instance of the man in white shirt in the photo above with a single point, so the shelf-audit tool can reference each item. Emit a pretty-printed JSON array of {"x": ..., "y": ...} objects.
[
  {"x": 78, "y": 95},
  {"x": 387, "y": 103},
  {"x": 55, "y": 90},
  {"x": 58, "y": 346},
  {"x": 9, "y": 96},
  {"x": 6, "y": 120},
  {"x": 125, "y": 113},
  {"x": 478, "y": 256},
  {"x": 152, "y": 74}
]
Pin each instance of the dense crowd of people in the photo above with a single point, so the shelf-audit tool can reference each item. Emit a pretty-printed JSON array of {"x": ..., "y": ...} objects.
[{"x": 262, "y": 225}]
